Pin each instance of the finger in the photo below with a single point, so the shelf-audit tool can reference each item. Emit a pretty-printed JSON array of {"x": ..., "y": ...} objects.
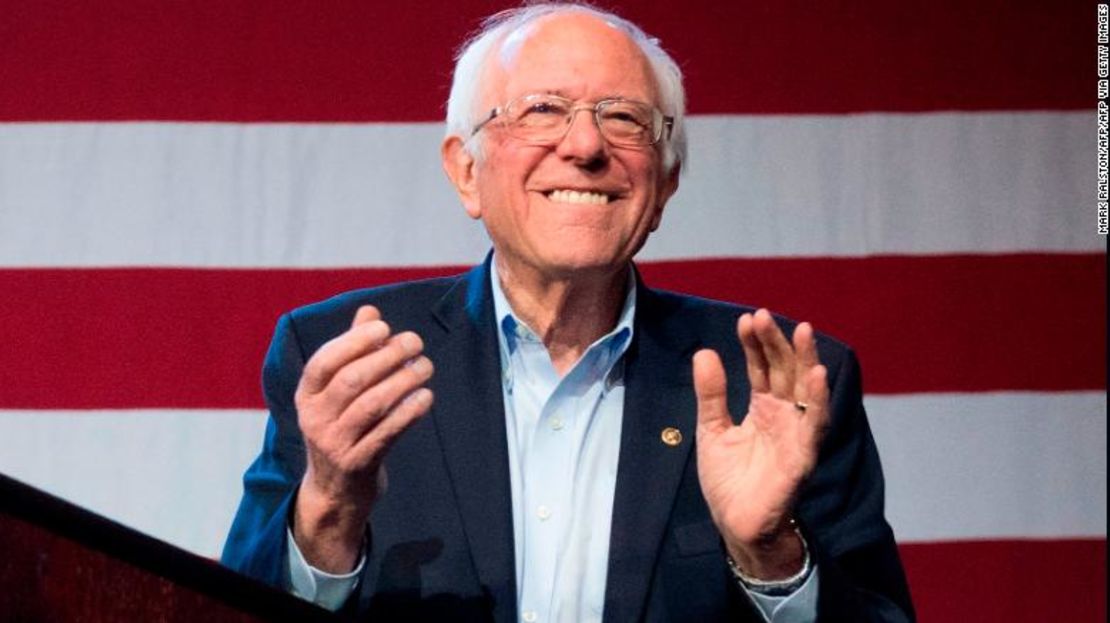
[
  {"x": 356, "y": 342},
  {"x": 816, "y": 416},
  {"x": 365, "y": 314},
  {"x": 777, "y": 350},
  {"x": 711, "y": 388},
  {"x": 372, "y": 405},
  {"x": 805, "y": 349},
  {"x": 758, "y": 368},
  {"x": 379, "y": 439},
  {"x": 362, "y": 374}
]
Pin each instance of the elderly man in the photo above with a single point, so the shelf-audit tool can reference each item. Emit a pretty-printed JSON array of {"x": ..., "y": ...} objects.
[{"x": 586, "y": 448}]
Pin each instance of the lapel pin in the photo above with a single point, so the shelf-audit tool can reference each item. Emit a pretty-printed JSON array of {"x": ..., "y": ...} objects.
[{"x": 671, "y": 436}]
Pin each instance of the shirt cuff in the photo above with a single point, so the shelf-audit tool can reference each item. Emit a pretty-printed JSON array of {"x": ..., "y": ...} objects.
[
  {"x": 797, "y": 607},
  {"x": 309, "y": 583}
]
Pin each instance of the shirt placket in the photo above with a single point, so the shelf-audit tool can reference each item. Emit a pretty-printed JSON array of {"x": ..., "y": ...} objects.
[
  {"x": 554, "y": 440},
  {"x": 546, "y": 488}
]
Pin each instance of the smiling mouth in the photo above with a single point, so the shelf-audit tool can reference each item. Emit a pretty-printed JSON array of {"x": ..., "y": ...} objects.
[{"x": 579, "y": 196}]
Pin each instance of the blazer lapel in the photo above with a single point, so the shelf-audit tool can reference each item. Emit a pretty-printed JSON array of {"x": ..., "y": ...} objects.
[
  {"x": 658, "y": 395},
  {"x": 469, "y": 417}
]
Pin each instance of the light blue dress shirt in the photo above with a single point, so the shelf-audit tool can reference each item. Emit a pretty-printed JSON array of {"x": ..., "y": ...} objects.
[{"x": 563, "y": 446}]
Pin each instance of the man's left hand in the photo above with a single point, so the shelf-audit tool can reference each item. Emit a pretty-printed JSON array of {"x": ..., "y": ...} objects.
[{"x": 750, "y": 473}]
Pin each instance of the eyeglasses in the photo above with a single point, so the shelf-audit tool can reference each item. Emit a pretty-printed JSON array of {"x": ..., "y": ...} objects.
[{"x": 544, "y": 119}]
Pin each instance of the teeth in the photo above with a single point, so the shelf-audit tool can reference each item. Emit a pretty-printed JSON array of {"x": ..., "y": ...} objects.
[{"x": 575, "y": 196}]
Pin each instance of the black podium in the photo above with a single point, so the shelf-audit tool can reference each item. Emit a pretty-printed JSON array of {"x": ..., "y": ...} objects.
[{"x": 59, "y": 562}]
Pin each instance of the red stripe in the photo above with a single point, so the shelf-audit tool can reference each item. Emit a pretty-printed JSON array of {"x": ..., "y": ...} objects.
[
  {"x": 294, "y": 60},
  {"x": 955, "y": 323},
  {"x": 1011, "y": 581},
  {"x": 119, "y": 338}
]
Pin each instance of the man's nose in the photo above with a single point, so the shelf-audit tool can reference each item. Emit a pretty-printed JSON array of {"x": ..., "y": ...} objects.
[{"x": 583, "y": 141}]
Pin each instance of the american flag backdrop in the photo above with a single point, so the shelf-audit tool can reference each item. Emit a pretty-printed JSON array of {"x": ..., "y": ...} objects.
[{"x": 916, "y": 178}]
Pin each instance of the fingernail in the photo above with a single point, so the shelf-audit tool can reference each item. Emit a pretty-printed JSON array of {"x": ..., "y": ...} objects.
[
  {"x": 379, "y": 329},
  {"x": 410, "y": 343},
  {"x": 421, "y": 397},
  {"x": 421, "y": 365}
]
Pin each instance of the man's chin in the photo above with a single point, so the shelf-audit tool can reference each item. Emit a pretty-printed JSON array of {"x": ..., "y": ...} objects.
[{"x": 583, "y": 266}]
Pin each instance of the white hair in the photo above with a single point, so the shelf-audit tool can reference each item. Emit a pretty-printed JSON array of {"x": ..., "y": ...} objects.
[{"x": 472, "y": 57}]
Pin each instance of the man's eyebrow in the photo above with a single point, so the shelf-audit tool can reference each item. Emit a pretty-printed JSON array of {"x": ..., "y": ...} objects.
[{"x": 563, "y": 94}]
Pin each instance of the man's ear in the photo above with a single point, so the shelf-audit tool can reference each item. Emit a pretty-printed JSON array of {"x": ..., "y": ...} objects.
[
  {"x": 461, "y": 169},
  {"x": 667, "y": 190}
]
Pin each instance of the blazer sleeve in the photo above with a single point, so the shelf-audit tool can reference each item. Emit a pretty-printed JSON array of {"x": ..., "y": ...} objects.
[
  {"x": 256, "y": 544},
  {"x": 841, "y": 511}
]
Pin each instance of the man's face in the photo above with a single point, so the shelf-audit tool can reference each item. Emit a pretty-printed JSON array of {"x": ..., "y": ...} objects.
[{"x": 521, "y": 188}]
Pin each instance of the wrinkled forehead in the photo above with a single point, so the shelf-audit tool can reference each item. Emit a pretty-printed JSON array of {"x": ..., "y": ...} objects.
[{"x": 577, "y": 55}]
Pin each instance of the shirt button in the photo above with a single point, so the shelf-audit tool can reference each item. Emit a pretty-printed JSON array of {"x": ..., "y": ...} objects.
[
  {"x": 543, "y": 513},
  {"x": 557, "y": 423},
  {"x": 528, "y": 615}
]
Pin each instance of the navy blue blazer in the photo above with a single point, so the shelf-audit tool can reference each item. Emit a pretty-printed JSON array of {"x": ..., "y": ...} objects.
[{"x": 441, "y": 538}]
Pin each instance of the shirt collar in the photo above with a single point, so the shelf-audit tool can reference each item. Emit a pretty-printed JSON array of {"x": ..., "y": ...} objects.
[{"x": 511, "y": 328}]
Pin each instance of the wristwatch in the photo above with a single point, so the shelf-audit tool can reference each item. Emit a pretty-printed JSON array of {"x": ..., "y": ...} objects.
[{"x": 776, "y": 588}]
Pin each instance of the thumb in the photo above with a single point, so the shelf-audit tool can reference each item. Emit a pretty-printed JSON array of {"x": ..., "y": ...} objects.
[{"x": 710, "y": 386}]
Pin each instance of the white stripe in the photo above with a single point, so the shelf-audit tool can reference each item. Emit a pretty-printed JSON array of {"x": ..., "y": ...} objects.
[
  {"x": 195, "y": 194},
  {"x": 885, "y": 184},
  {"x": 172, "y": 474},
  {"x": 997, "y": 465},
  {"x": 958, "y": 466}
]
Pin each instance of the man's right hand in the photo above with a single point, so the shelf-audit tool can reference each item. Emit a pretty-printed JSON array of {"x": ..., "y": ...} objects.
[{"x": 358, "y": 392}]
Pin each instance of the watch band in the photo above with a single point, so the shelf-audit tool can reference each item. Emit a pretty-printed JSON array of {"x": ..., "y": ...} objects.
[{"x": 776, "y": 588}]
